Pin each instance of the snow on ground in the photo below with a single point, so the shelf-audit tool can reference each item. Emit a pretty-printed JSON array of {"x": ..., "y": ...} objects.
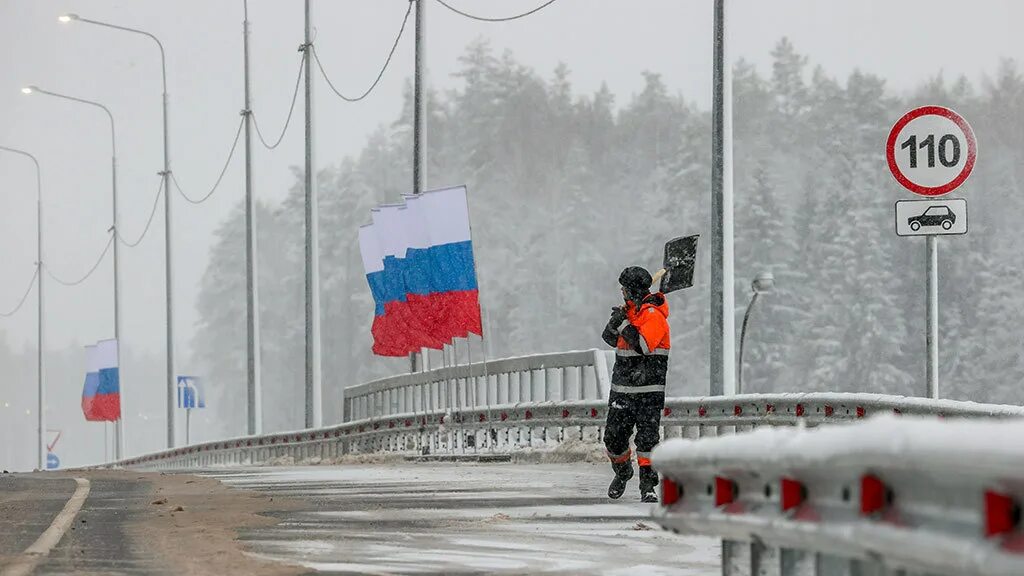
[{"x": 420, "y": 518}]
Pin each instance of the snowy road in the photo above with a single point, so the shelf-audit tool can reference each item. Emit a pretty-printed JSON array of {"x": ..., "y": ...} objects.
[{"x": 420, "y": 518}]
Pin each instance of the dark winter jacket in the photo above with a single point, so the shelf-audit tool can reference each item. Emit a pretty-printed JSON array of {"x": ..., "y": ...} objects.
[{"x": 641, "y": 338}]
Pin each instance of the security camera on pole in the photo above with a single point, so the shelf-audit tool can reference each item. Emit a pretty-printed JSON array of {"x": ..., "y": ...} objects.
[{"x": 931, "y": 151}]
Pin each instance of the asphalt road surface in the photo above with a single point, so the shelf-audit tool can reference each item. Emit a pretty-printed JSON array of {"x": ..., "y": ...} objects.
[
  {"x": 465, "y": 519},
  {"x": 391, "y": 518},
  {"x": 96, "y": 542}
]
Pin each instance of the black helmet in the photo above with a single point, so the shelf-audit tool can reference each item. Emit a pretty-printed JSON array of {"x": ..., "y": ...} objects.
[{"x": 636, "y": 280}]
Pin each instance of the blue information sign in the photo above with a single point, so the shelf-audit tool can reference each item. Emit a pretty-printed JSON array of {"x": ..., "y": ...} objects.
[{"x": 190, "y": 393}]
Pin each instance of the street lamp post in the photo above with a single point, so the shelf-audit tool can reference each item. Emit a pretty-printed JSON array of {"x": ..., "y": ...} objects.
[
  {"x": 254, "y": 388},
  {"x": 39, "y": 295},
  {"x": 723, "y": 332},
  {"x": 121, "y": 439},
  {"x": 763, "y": 284},
  {"x": 166, "y": 176}
]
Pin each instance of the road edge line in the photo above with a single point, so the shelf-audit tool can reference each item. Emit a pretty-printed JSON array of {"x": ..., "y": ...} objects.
[{"x": 26, "y": 564}]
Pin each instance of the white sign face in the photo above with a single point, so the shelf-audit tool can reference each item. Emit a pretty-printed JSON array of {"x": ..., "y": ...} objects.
[
  {"x": 931, "y": 217},
  {"x": 931, "y": 150}
]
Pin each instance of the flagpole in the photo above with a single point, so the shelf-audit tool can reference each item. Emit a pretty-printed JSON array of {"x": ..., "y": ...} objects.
[
  {"x": 480, "y": 308},
  {"x": 419, "y": 129}
]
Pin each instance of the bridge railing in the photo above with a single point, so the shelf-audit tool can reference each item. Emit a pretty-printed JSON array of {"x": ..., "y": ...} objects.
[
  {"x": 896, "y": 495},
  {"x": 565, "y": 376},
  {"x": 535, "y": 402}
]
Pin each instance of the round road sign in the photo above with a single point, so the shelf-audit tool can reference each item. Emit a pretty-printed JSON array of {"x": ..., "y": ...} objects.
[{"x": 931, "y": 150}]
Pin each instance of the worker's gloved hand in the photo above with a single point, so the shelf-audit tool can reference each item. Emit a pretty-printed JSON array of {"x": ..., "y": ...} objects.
[{"x": 618, "y": 316}]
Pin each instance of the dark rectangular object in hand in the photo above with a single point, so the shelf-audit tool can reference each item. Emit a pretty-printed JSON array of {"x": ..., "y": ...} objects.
[{"x": 680, "y": 257}]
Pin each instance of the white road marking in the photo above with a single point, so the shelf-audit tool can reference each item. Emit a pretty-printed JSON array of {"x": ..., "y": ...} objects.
[{"x": 26, "y": 563}]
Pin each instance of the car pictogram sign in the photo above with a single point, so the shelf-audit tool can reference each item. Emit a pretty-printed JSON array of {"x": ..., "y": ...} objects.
[{"x": 946, "y": 216}]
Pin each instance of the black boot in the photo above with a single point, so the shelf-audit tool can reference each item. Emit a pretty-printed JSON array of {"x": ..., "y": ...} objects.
[
  {"x": 648, "y": 484},
  {"x": 623, "y": 472}
]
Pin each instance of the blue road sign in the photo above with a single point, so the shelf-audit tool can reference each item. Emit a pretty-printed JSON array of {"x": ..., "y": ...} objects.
[
  {"x": 52, "y": 462},
  {"x": 190, "y": 393}
]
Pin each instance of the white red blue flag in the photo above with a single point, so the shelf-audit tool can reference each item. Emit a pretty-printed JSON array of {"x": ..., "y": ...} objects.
[
  {"x": 418, "y": 258},
  {"x": 101, "y": 395}
]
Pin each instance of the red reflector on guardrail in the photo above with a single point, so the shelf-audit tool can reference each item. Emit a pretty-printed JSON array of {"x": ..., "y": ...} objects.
[
  {"x": 860, "y": 411},
  {"x": 483, "y": 418},
  {"x": 799, "y": 409},
  {"x": 829, "y": 410},
  {"x": 702, "y": 411},
  {"x": 873, "y": 494},
  {"x": 1002, "y": 513},
  {"x": 668, "y": 411},
  {"x": 793, "y": 493},
  {"x": 769, "y": 409},
  {"x": 725, "y": 491},
  {"x": 565, "y": 413},
  {"x": 593, "y": 412},
  {"x": 737, "y": 410},
  {"x": 529, "y": 414},
  {"x": 670, "y": 491},
  {"x": 504, "y": 416}
]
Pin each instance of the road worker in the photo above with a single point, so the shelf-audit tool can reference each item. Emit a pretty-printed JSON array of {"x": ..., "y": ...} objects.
[{"x": 639, "y": 331}]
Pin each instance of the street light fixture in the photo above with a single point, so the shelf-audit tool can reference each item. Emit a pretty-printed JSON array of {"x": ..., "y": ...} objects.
[
  {"x": 166, "y": 176},
  {"x": 114, "y": 229},
  {"x": 764, "y": 283}
]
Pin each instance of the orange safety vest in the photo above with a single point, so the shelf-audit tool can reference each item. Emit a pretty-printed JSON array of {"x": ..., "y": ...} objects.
[{"x": 643, "y": 368}]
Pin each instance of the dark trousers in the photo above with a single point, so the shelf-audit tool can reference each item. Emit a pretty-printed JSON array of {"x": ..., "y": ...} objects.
[{"x": 626, "y": 411}]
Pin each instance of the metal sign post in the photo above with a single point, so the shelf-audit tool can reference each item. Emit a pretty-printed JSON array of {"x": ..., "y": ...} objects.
[{"x": 931, "y": 151}]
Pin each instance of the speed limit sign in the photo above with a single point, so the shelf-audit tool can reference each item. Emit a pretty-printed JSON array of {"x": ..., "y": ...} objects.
[{"x": 931, "y": 150}]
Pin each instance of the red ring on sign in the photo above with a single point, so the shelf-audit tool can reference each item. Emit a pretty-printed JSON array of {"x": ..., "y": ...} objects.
[{"x": 972, "y": 150}]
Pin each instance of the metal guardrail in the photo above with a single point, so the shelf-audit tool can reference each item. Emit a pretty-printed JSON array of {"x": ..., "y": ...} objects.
[
  {"x": 890, "y": 495},
  {"x": 510, "y": 427},
  {"x": 577, "y": 375}
]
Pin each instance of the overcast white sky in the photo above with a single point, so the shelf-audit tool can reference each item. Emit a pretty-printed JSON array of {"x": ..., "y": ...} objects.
[{"x": 601, "y": 40}]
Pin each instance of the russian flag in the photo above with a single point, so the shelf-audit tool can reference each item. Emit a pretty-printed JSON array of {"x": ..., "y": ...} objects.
[
  {"x": 101, "y": 396},
  {"x": 419, "y": 264}
]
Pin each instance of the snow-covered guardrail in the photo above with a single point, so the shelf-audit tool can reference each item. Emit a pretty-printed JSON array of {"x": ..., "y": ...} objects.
[{"x": 888, "y": 495}]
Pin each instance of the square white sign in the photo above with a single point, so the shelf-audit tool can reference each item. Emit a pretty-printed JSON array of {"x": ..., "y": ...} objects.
[{"x": 947, "y": 216}]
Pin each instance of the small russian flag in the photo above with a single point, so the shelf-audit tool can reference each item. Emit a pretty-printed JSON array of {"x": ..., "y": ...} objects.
[{"x": 101, "y": 396}]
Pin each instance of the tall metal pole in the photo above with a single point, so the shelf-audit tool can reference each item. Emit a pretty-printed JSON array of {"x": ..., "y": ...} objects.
[
  {"x": 419, "y": 145},
  {"x": 119, "y": 429},
  {"x": 168, "y": 262},
  {"x": 313, "y": 391},
  {"x": 723, "y": 328},
  {"x": 419, "y": 128},
  {"x": 252, "y": 312},
  {"x": 932, "y": 336},
  {"x": 40, "y": 324},
  {"x": 166, "y": 176},
  {"x": 40, "y": 377}
]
